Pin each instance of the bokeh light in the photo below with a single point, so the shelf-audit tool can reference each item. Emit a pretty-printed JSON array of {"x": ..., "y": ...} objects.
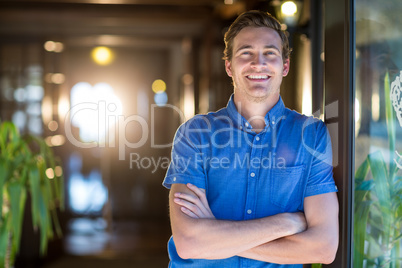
[
  {"x": 53, "y": 125},
  {"x": 50, "y": 173},
  {"x": 58, "y": 171},
  {"x": 55, "y": 78},
  {"x": 289, "y": 8},
  {"x": 161, "y": 98},
  {"x": 158, "y": 86},
  {"x": 52, "y": 46},
  {"x": 102, "y": 55},
  {"x": 94, "y": 109}
]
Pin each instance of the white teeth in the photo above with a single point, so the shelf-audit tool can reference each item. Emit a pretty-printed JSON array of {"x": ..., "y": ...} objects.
[{"x": 258, "y": 76}]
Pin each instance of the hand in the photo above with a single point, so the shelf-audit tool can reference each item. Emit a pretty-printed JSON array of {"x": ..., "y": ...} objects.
[{"x": 194, "y": 206}]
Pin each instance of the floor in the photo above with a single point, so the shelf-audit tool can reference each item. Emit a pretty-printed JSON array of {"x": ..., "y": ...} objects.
[{"x": 128, "y": 244}]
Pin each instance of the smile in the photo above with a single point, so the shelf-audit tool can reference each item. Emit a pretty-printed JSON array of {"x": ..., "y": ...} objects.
[{"x": 257, "y": 77}]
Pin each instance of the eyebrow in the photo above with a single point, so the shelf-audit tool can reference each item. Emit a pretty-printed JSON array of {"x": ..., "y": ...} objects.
[{"x": 250, "y": 46}]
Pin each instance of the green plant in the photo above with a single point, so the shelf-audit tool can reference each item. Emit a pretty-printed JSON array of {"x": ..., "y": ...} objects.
[
  {"x": 378, "y": 204},
  {"x": 24, "y": 161}
]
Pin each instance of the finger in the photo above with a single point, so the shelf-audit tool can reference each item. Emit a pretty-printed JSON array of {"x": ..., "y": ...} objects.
[
  {"x": 189, "y": 212},
  {"x": 189, "y": 197},
  {"x": 201, "y": 195},
  {"x": 193, "y": 200},
  {"x": 199, "y": 199},
  {"x": 200, "y": 212},
  {"x": 190, "y": 206},
  {"x": 199, "y": 192},
  {"x": 202, "y": 206}
]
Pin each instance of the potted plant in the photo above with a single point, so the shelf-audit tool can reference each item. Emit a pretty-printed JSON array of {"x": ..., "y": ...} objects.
[
  {"x": 27, "y": 169},
  {"x": 378, "y": 203}
]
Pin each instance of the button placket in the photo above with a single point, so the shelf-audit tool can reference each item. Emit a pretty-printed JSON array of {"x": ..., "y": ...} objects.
[{"x": 255, "y": 153}]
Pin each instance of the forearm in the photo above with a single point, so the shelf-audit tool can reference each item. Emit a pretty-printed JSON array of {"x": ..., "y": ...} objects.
[
  {"x": 318, "y": 244},
  {"x": 312, "y": 246},
  {"x": 218, "y": 239}
]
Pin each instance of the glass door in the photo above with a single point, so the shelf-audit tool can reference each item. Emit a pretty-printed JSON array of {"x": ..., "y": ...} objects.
[{"x": 378, "y": 134}]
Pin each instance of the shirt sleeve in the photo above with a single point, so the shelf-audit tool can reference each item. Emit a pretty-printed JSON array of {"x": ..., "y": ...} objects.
[
  {"x": 186, "y": 164},
  {"x": 321, "y": 179}
]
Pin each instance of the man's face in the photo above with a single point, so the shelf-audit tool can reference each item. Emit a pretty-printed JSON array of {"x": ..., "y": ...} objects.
[{"x": 257, "y": 67}]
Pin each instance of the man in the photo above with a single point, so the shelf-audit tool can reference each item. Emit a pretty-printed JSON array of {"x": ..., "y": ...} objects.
[{"x": 251, "y": 184}]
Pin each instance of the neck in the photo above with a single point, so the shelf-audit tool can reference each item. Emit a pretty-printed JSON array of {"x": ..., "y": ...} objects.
[{"x": 254, "y": 112}]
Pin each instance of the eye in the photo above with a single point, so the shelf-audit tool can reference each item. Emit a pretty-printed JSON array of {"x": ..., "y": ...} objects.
[{"x": 270, "y": 53}]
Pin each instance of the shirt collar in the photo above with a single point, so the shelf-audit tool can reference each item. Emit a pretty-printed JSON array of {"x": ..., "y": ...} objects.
[{"x": 271, "y": 118}]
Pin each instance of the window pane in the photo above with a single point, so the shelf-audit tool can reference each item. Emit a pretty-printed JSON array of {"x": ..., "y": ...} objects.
[{"x": 378, "y": 129}]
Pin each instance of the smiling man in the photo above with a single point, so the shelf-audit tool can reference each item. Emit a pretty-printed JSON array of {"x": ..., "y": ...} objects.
[{"x": 257, "y": 189}]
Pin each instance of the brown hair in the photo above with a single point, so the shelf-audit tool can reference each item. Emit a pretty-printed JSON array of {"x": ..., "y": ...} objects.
[{"x": 254, "y": 18}]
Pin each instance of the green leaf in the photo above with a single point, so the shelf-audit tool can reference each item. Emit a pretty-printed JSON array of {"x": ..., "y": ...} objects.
[
  {"x": 365, "y": 186},
  {"x": 3, "y": 178},
  {"x": 14, "y": 189},
  {"x": 44, "y": 220},
  {"x": 9, "y": 135},
  {"x": 397, "y": 237},
  {"x": 362, "y": 171},
  {"x": 56, "y": 223},
  {"x": 359, "y": 233},
  {"x": 382, "y": 191},
  {"x": 375, "y": 250},
  {"x": 23, "y": 198},
  {"x": 379, "y": 171},
  {"x": 4, "y": 233},
  {"x": 34, "y": 178}
]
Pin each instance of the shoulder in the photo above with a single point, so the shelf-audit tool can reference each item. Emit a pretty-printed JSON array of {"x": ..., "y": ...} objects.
[
  {"x": 206, "y": 121},
  {"x": 311, "y": 130},
  {"x": 304, "y": 120}
]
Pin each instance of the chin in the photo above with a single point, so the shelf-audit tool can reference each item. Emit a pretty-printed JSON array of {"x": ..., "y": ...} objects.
[{"x": 257, "y": 99}]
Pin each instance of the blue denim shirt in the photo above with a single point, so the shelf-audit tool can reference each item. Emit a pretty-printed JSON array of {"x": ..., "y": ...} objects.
[{"x": 248, "y": 175}]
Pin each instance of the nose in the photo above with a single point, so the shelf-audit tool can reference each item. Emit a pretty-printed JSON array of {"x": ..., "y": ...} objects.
[{"x": 259, "y": 61}]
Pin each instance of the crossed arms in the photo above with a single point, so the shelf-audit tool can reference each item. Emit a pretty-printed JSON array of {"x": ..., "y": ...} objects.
[{"x": 287, "y": 238}]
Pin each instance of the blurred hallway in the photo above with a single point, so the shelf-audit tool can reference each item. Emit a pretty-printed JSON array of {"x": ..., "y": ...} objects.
[
  {"x": 88, "y": 244},
  {"x": 131, "y": 244}
]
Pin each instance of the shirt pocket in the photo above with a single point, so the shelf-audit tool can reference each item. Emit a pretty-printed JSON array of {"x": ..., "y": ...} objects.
[{"x": 286, "y": 187}]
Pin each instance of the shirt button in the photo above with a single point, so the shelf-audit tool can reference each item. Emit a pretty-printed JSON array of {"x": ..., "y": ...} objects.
[
  {"x": 241, "y": 127},
  {"x": 273, "y": 122},
  {"x": 249, "y": 211},
  {"x": 174, "y": 179},
  {"x": 252, "y": 174},
  {"x": 246, "y": 124},
  {"x": 257, "y": 138}
]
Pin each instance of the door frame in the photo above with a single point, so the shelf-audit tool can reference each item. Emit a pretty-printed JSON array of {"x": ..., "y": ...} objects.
[{"x": 339, "y": 90}]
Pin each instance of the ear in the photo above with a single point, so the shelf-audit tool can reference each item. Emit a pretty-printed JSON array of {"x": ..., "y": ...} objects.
[
  {"x": 286, "y": 66},
  {"x": 228, "y": 67}
]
